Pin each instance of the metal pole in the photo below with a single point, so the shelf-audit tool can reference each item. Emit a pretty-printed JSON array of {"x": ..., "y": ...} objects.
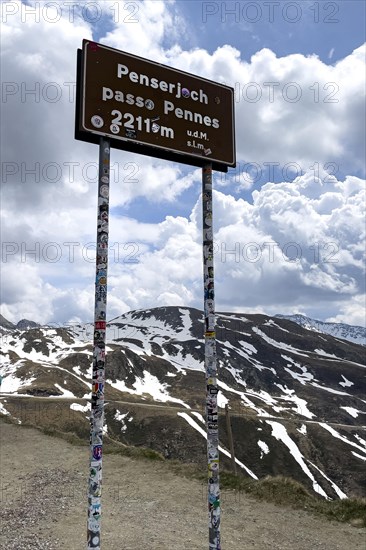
[
  {"x": 230, "y": 436},
  {"x": 214, "y": 507},
  {"x": 97, "y": 400}
]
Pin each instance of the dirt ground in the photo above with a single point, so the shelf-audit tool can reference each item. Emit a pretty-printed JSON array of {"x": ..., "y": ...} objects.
[{"x": 144, "y": 505}]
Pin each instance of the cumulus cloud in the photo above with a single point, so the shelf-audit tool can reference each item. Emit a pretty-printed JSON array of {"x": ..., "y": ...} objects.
[
  {"x": 283, "y": 252},
  {"x": 291, "y": 109}
]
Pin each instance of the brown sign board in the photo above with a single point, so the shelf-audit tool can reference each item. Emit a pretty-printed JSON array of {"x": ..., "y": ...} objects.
[{"x": 152, "y": 109}]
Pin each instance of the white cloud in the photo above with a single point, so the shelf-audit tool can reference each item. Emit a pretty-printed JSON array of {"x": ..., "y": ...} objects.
[
  {"x": 353, "y": 312},
  {"x": 321, "y": 215},
  {"x": 325, "y": 124}
]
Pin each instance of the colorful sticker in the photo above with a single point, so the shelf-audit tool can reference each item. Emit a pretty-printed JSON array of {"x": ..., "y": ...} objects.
[
  {"x": 97, "y": 387},
  {"x": 97, "y": 121},
  {"x": 97, "y": 411},
  {"x": 101, "y": 295},
  {"x": 211, "y": 401},
  {"x": 93, "y": 539},
  {"x": 210, "y": 293},
  {"x": 149, "y": 104},
  {"x": 95, "y": 507},
  {"x": 214, "y": 499},
  {"x": 207, "y": 234},
  {"x": 102, "y": 201},
  {"x": 102, "y": 226},
  {"x": 97, "y": 452},
  {"x": 115, "y": 128},
  {"x": 93, "y": 524},
  {"x": 95, "y": 489},
  {"x": 130, "y": 134},
  {"x": 95, "y": 470},
  {"x": 100, "y": 313},
  {"x": 213, "y": 454},
  {"x": 104, "y": 191},
  {"x": 101, "y": 261},
  {"x": 210, "y": 326},
  {"x": 99, "y": 352},
  {"x": 208, "y": 219}
]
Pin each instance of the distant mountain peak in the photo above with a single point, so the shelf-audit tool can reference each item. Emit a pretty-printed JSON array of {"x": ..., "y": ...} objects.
[
  {"x": 25, "y": 324},
  {"x": 5, "y": 323},
  {"x": 352, "y": 333}
]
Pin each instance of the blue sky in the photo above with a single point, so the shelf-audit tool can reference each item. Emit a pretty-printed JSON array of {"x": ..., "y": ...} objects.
[
  {"x": 330, "y": 30},
  {"x": 297, "y": 188},
  {"x": 286, "y": 27}
]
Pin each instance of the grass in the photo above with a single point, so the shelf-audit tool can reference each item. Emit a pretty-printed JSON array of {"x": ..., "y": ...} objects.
[
  {"x": 280, "y": 490},
  {"x": 70, "y": 437},
  {"x": 110, "y": 446},
  {"x": 284, "y": 491}
]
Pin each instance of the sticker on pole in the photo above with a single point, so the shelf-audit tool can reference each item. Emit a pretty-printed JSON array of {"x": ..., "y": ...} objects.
[{"x": 97, "y": 452}]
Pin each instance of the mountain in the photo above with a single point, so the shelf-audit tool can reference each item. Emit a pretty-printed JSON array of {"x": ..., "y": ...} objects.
[
  {"x": 4, "y": 323},
  {"x": 24, "y": 324},
  {"x": 297, "y": 398},
  {"x": 353, "y": 333}
]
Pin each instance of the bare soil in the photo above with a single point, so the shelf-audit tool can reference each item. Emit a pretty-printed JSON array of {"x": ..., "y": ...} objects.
[{"x": 145, "y": 505}]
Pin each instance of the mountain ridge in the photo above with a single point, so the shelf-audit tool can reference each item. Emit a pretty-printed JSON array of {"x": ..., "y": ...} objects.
[
  {"x": 296, "y": 397},
  {"x": 345, "y": 331},
  {"x": 353, "y": 333}
]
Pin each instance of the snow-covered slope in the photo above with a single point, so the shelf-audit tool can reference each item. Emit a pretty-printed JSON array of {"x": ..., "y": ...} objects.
[
  {"x": 297, "y": 397},
  {"x": 352, "y": 333}
]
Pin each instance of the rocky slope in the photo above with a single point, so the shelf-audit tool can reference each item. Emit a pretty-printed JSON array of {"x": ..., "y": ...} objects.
[{"x": 297, "y": 397}]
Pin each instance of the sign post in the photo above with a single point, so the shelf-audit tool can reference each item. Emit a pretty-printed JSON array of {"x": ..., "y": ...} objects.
[
  {"x": 152, "y": 109},
  {"x": 134, "y": 104},
  {"x": 98, "y": 376},
  {"x": 214, "y": 507}
]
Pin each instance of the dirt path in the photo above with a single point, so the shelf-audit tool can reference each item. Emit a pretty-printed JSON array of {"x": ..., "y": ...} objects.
[{"x": 145, "y": 506}]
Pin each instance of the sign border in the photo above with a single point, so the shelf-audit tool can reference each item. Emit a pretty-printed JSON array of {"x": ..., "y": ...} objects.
[{"x": 134, "y": 146}]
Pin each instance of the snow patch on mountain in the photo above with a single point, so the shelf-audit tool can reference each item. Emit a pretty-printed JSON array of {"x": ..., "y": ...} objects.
[
  {"x": 346, "y": 383},
  {"x": 123, "y": 417},
  {"x": 341, "y": 437},
  {"x": 335, "y": 487},
  {"x": 352, "y": 333},
  {"x": 79, "y": 407},
  {"x": 263, "y": 447},
  {"x": 149, "y": 385},
  {"x": 301, "y": 404},
  {"x": 65, "y": 392},
  {"x": 11, "y": 383},
  {"x": 279, "y": 432},
  {"x": 3, "y": 410},
  {"x": 280, "y": 345},
  {"x": 198, "y": 428}
]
